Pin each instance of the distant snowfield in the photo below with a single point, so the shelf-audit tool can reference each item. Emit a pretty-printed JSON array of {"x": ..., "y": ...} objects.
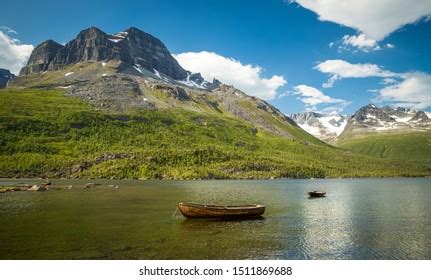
[
  {"x": 337, "y": 130},
  {"x": 324, "y": 127},
  {"x": 315, "y": 131}
]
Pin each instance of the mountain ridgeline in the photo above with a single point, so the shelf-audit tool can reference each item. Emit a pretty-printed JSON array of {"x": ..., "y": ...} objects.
[
  {"x": 132, "y": 47},
  {"x": 367, "y": 120},
  {"x": 121, "y": 106},
  {"x": 398, "y": 133}
]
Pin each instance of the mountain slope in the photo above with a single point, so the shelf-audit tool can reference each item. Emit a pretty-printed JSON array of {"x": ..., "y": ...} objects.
[
  {"x": 415, "y": 146},
  {"x": 396, "y": 133},
  {"x": 120, "y": 106},
  {"x": 45, "y": 133}
]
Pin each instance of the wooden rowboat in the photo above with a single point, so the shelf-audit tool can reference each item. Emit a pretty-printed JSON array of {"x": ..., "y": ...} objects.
[
  {"x": 192, "y": 210},
  {"x": 316, "y": 194}
]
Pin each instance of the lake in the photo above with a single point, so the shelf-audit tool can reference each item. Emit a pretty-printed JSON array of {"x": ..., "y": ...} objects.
[{"x": 359, "y": 219}]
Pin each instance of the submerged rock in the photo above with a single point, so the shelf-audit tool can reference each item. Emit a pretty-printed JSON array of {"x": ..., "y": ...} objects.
[
  {"x": 91, "y": 185},
  {"x": 34, "y": 188}
]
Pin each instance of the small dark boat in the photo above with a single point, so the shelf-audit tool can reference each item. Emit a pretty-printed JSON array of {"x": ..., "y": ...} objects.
[
  {"x": 191, "y": 210},
  {"x": 316, "y": 194}
]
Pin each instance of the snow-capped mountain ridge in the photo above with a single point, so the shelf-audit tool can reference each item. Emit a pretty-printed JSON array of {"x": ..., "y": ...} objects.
[
  {"x": 324, "y": 127},
  {"x": 368, "y": 119},
  {"x": 371, "y": 118}
]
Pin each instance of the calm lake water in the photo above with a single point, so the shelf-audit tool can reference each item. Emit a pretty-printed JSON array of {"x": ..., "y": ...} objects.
[{"x": 359, "y": 219}]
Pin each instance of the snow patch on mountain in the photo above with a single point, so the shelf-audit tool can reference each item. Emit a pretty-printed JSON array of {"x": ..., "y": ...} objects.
[
  {"x": 324, "y": 127},
  {"x": 190, "y": 83}
]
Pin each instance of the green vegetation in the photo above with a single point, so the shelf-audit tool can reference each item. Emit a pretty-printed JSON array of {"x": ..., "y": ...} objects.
[
  {"x": 415, "y": 146},
  {"x": 45, "y": 133},
  {"x": 57, "y": 78}
]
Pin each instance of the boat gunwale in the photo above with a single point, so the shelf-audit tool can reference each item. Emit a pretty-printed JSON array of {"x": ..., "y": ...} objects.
[{"x": 224, "y": 207}]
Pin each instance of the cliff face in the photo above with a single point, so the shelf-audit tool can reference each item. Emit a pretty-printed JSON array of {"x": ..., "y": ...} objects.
[
  {"x": 150, "y": 53},
  {"x": 41, "y": 57},
  {"x": 5, "y": 77},
  {"x": 91, "y": 44},
  {"x": 136, "y": 50}
]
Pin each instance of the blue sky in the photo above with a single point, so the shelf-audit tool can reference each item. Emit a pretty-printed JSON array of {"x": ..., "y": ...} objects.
[{"x": 271, "y": 49}]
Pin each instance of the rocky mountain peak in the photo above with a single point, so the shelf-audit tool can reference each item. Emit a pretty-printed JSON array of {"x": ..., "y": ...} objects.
[
  {"x": 150, "y": 53},
  {"x": 372, "y": 119},
  {"x": 420, "y": 116},
  {"x": 137, "y": 51},
  {"x": 91, "y": 44},
  {"x": 41, "y": 57},
  {"x": 91, "y": 36},
  {"x": 372, "y": 113},
  {"x": 5, "y": 77}
]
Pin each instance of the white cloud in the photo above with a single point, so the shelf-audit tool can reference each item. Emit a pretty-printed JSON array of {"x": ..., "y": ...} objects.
[
  {"x": 388, "y": 81},
  {"x": 361, "y": 42},
  {"x": 13, "y": 54},
  {"x": 245, "y": 77},
  {"x": 413, "y": 91},
  {"x": 7, "y": 29},
  {"x": 376, "y": 19},
  {"x": 312, "y": 96},
  {"x": 339, "y": 69},
  {"x": 335, "y": 109}
]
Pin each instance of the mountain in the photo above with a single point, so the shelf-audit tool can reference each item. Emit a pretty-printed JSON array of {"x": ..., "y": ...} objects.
[
  {"x": 396, "y": 133},
  {"x": 372, "y": 119},
  {"x": 97, "y": 67},
  {"x": 367, "y": 120},
  {"x": 5, "y": 77},
  {"x": 324, "y": 127},
  {"x": 136, "y": 50},
  {"x": 120, "y": 106}
]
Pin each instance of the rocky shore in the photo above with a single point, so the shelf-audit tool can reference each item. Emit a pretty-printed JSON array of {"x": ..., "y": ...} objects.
[{"x": 47, "y": 186}]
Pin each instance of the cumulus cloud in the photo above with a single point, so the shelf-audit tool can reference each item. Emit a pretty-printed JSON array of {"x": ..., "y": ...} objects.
[
  {"x": 413, "y": 91},
  {"x": 376, "y": 19},
  {"x": 312, "y": 97},
  {"x": 13, "y": 54},
  {"x": 245, "y": 77},
  {"x": 338, "y": 69}
]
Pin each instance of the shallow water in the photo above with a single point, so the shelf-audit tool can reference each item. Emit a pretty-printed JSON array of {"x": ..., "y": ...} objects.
[{"x": 359, "y": 219}]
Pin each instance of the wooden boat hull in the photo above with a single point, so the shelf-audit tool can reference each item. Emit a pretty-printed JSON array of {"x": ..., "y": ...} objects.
[
  {"x": 191, "y": 210},
  {"x": 317, "y": 194}
]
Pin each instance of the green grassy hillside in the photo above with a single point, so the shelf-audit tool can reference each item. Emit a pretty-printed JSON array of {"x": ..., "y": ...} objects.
[
  {"x": 45, "y": 133},
  {"x": 415, "y": 146}
]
